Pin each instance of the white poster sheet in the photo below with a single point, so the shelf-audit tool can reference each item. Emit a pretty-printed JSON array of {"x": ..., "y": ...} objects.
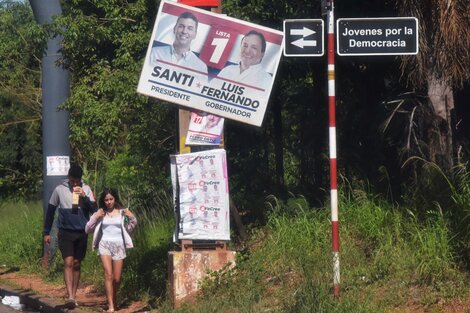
[
  {"x": 204, "y": 129},
  {"x": 57, "y": 165},
  {"x": 227, "y": 68},
  {"x": 200, "y": 186}
]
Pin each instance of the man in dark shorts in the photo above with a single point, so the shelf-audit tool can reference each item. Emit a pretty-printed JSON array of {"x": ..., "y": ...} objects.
[{"x": 76, "y": 203}]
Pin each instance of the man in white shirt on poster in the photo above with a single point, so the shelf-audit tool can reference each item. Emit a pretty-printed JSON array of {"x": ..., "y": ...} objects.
[
  {"x": 249, "y": 70},
  {"x": 179, "y": 53}
]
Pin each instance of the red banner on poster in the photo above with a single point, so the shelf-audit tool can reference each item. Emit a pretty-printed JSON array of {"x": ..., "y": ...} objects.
[{"x": 201, "y": 3}]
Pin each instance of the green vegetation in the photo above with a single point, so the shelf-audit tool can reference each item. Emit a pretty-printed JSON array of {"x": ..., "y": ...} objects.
[
  {"x": 21, "y": 233},
  {"x": 386, "y": 255},
  {"x": 389, "y": 257},
  {"x": 21, "y": 46},
  {"x": 405, "y": 234},
  {"x": 117, "y": 133}
]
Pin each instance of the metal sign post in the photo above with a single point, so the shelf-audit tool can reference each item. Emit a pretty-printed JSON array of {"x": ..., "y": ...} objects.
[
  {"x": 332, "y": 131},
  {"x": 355, "y": 37},
  {"x": 305, "y": 38}
]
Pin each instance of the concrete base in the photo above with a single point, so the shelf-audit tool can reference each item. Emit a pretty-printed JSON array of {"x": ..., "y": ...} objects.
[{"x": 187, "y": 269}]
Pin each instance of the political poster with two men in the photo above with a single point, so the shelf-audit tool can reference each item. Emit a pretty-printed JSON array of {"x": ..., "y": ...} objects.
[{"x": 211, "y": 62}]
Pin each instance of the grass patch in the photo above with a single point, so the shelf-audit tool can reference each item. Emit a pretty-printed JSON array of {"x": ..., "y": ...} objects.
[
  {"x": 389, "y": 258},
  {"x": 21, "y": 235}
]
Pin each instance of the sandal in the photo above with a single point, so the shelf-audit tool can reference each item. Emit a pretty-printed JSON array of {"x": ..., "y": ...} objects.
[{"x": 70, "y": 304}]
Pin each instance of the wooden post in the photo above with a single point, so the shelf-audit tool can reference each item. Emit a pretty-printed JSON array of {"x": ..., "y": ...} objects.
[{"x": 184, "y": 117}]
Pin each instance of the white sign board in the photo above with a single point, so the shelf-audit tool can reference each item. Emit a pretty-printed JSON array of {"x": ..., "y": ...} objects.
[
  {"x": 200, "y": 187},
  {"x": 211, "y": 62}
]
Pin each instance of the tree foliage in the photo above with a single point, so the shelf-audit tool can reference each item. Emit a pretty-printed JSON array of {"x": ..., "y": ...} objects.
[
  {"x": 20, "y": 94},
  {"x": 444, "y": 28},
  {"x": 439, "y": 70},
  {"x": 104, "y": 46},
  {"x": 124, "y": 138}
]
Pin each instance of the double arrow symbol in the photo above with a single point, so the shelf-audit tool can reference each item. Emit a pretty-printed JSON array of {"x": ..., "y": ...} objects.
[{"x": 304, "y": 32}]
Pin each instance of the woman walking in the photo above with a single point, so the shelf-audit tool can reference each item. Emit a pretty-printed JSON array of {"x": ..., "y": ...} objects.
[{"x": 111, "y": 225}]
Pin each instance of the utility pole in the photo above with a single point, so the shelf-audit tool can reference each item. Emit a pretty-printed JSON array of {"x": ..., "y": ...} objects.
[{"x": 55, "y": 122}]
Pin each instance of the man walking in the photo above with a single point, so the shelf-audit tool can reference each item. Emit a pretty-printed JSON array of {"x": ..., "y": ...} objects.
[{"x": 76, "y": 203}]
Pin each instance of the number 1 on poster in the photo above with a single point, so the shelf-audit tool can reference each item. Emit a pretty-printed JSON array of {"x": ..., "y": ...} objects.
[{"x": 220, "y": 44}]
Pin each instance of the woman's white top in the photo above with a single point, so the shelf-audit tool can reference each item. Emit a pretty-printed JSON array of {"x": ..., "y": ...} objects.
[
  {"x": 111, "y": 227},
  {"x": 95, "y": 225}
]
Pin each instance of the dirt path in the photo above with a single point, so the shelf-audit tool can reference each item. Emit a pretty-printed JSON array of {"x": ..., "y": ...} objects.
[
  {"x": 87, "y": 295},
  {"x": 90, "y": 298}
]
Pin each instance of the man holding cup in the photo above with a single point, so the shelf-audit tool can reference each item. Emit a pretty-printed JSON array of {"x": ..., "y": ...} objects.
[{"x": 76, "y": 203}]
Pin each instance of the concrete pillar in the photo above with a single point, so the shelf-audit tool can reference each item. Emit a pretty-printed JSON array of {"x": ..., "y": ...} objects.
[{"x": 186, "y": 271}]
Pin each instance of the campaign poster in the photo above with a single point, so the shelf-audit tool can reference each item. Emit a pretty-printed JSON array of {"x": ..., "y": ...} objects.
[
  {"x": 204, "y": 129},
  {"x": 211, "y": 62},
  {"x": 200, "y": 186},
  {"x": 57, "y": 165}
]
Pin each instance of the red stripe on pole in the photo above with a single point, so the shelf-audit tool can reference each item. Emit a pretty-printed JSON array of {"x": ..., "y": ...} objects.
[
  {"x": 336, "y": 291},
  {"x": 333, "y": 177},
  {"x": 332, "y": 112},
  {"x": 335, "y": 235},
  {"x": 331, "y": 43}
]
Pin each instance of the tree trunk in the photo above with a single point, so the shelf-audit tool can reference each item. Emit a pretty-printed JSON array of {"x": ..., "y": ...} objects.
[{"x": 441, "y": 97}]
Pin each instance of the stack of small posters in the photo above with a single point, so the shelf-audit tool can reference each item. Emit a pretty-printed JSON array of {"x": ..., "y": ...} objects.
[{"x": 200, "y": 188}]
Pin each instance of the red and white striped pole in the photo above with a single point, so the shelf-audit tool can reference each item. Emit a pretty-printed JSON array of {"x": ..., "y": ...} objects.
[{"x": 332, "y": 131}]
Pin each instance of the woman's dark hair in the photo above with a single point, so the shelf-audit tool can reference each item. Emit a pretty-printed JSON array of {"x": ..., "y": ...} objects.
[{"x": 112, "y": 192}]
